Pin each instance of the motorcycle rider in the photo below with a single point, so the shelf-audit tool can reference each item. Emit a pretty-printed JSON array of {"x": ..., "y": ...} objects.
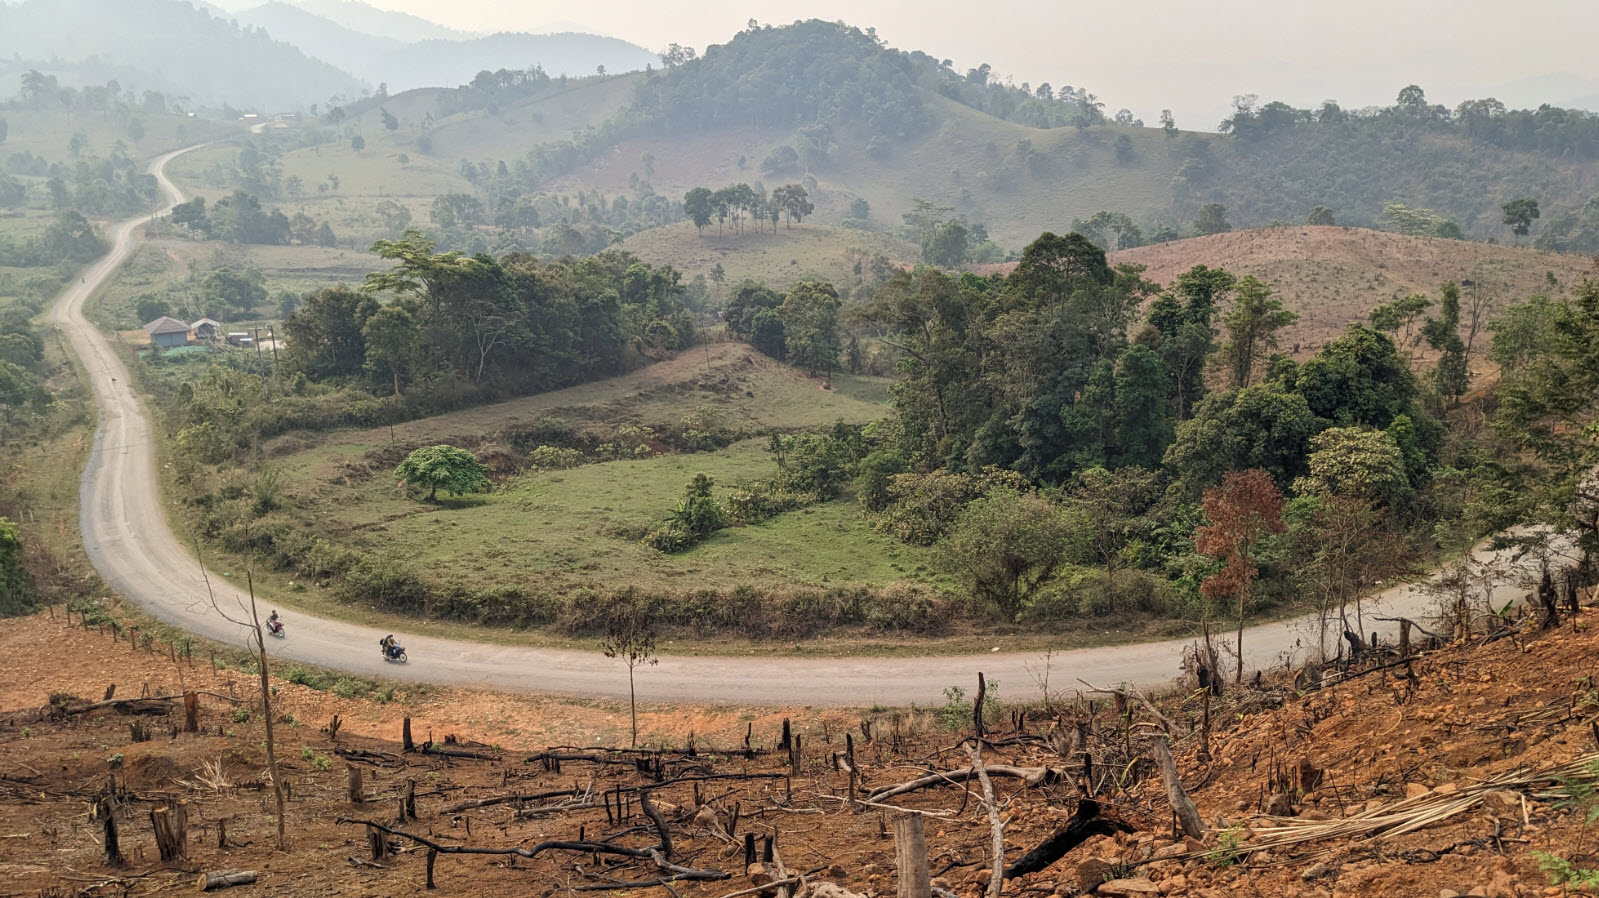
[
  {"x": 273, "y": 623},
  {"x": 387, "y": 643}
]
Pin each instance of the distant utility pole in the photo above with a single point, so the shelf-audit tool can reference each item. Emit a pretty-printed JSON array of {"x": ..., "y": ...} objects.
[{"x": 274, "y": 338}]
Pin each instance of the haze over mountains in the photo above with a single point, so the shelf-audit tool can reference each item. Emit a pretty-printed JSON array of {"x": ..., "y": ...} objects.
[{"x": 275, "y": 55}]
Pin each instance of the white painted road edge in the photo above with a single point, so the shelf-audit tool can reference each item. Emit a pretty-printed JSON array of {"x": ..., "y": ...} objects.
[{"x": 127, "y": 538}]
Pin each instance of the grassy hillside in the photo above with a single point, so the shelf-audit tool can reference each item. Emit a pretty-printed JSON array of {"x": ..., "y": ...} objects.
[
  {"x": 1333, "y": 276},
  {"x": 564, "y": 529}
]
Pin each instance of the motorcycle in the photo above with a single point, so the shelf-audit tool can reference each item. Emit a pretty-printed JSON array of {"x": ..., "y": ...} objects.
[
  {"x": 394, "y": 653},
  {"x": 275, "y": 627}
]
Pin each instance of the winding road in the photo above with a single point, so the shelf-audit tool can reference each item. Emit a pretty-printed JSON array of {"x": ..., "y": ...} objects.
[{"x": 127, "y": 538}]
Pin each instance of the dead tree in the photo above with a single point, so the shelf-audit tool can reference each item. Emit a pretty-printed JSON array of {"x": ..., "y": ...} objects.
[
  {"x": 191, "y": 712},
  {"x": 996, "y": 826},
  {"x": 105, "y": 810}
]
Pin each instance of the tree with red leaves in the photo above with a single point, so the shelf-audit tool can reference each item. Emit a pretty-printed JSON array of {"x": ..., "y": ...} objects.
[{"x": 1246, "y": 507}]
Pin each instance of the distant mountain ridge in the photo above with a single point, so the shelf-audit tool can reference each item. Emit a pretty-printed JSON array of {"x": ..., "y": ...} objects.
[{"x": 168, "y": 45}]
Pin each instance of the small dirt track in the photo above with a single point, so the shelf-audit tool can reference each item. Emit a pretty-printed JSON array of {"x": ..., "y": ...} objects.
[{"x": 126, "y": 535}]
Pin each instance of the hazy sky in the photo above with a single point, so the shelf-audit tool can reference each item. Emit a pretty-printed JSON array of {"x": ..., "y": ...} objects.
[{"x": 1189, "y": 55}]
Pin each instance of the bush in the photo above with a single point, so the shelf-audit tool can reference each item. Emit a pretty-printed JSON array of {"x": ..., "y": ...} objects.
[
  {"x": 550, "y": 458},
  {"x": 922, "y": 507}
]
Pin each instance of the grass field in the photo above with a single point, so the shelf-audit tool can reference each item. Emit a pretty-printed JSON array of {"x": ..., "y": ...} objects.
[
  {"x": 558, "y": 528},
  {"x": 46, "y": 133}
]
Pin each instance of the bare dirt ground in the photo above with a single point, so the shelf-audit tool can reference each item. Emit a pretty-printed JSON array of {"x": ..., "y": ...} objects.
[{"x": 1392, "y": 742}]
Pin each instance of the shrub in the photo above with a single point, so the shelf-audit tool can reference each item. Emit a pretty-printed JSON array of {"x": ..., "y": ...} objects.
[{"x": 550, "y": 458}]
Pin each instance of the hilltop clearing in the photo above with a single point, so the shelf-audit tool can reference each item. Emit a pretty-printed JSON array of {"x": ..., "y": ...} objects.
[{"x": 1334, "y": 276}]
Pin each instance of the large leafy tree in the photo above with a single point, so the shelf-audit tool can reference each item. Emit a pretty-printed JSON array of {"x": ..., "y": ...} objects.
[
  {"x": 810, "y": 325},
  {"x": 1549, "y": 405},
  {"x": 1519, "y": 214},
  {"x": 16, "y": 586},
  {"x": 1113, "y": 507},
  {"x": 1246, "y": 507},
  {"x": 697, "y": 206},
  {"x": 1006, "y": 545},
  {"x": 454, "y": 469},
  {"x": 1251, "y": 326},
  {"x": 390, "y": 336}
]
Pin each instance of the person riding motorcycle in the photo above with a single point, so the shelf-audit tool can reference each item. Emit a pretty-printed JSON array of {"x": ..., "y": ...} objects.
[
  {"x": 273, "y": 623},
  {"x": 388, "y": 644}
]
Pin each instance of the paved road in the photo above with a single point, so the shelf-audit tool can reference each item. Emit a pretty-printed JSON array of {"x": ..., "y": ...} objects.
[{"x": 129, "y": 542}]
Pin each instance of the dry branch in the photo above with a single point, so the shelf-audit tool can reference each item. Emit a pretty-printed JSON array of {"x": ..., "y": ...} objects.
[
  {"x": 1135, "y": 696},
  {"x": 1031, "y": 776},
  {"x": 996, "y": 826}
]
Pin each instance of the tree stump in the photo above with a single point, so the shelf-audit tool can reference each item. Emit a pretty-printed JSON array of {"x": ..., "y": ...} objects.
[
  {"x": 432, "y": 856},
  {"x": 357, "y": 797},
  {"x": 410, "y": 799},
  {"x": 171, "y": 824},
  {"x": 106, "y": 810},
  {"x": 378, "y": 843},
  {"x": 191, "y": 712},
  {"x": 222, "y": 879},
  {"x": 406, "y": 744},
  {"x": 910, "y": 857}
]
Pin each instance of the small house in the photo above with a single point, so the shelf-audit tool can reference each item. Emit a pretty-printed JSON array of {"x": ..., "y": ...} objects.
[
  {"x": 166, "y": 332},
  {"x": 240, "y": 338},
  {"x": 206, "y": 329}
]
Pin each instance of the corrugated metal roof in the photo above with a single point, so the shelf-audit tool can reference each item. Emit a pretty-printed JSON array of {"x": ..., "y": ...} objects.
[{"x": 166, "y": 325}]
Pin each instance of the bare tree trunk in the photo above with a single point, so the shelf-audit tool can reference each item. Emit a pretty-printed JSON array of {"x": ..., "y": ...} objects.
[
  {"x": 266, "y": 713},
  {"x": 632, "y": 704},
  {"x": 1238, "y": 681}
]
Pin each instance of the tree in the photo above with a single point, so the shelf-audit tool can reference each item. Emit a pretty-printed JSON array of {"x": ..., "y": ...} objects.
[
  {"x": 860, "y": 209},
  {"x": 456, "y": 470},
  {"x": 1006, "y": 545},
  {"x": 809, "y": 314},
  {"x": 1168, "y": 124},
  {"x": 630, "y": 635},
  {"x": 1519, "y": 215},
  {"x": 358, "y": 143},
  {"x": 1452, "y": 376},
  {"x": 1212, "y": 219},
  {"x": 697, "y": 206},
  {"x": 16, "y": 586},
  {"x": 1245, "y": 508},
  {"x": 390, "y": 336},
  {"x": 1112, "y": 506},
  {"x": 1251, "y": 325},
  {"x": 1355, "y": 463},
  {"x": 794, "y": 202},
  {"x": 324, "y": 337},
  {"x": 150, "y": 307},
  {"x": 228, "y": 289},
  {"x": 949, "y": 245},
  {"x": 1321, "y": 215},
  {"x": 389, "y": 121}
]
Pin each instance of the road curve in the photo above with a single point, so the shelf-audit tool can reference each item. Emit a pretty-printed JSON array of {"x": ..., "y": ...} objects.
[{"x": 126, "y": 536}]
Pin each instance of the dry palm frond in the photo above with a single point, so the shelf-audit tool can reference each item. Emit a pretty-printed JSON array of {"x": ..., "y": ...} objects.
[
  {"x": 210, "y": 778},
  {"x": 1419, "y": 812}
]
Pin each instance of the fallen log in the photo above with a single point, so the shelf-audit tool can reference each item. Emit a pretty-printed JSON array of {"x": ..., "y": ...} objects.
[
  {"x": 458, "y": 753},
  {"x": 361, "y": 754},
  {"x": 581, "y": 847},
  {"x": 222, "y": 879},
  {"x": 1083, "y": 825},
  {"x": 507, "y": 799},
  {"x": 1181, "y": 804},
  {"x": 1031, "y": 776},
  {"x": 156, "y": 704}
]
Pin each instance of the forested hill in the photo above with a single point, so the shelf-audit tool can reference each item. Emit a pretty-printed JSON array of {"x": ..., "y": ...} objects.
[
  {"x": 162, "y": 45},
  {"x": 837, "y": 75},
  {"x": 879, "y": 122}
]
